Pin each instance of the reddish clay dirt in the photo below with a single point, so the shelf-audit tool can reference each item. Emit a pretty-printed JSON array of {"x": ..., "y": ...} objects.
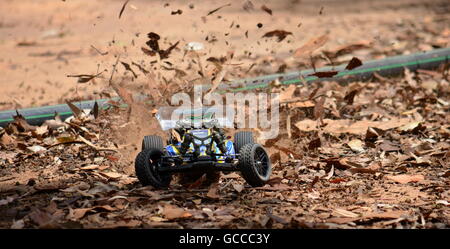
[{"x": 391, "y": 170}]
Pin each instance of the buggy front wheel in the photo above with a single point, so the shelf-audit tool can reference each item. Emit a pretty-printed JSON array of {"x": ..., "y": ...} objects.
[{"x": 147, "y": 165}]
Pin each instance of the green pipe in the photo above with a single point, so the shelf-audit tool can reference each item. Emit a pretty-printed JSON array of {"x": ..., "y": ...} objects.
[{"x": 387, "y": 67}]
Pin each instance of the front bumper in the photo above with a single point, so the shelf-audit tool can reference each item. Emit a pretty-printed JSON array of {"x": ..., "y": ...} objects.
[{"x": 200, "y": 166}]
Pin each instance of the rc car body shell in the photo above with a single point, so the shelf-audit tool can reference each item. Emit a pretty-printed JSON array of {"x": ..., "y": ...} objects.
[
  {"x": 172, "y": 149},
  {"x": 198, "y": 143}
]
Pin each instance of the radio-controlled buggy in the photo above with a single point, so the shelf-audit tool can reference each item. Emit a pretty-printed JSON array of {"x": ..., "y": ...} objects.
[{"x": 202, "y": 147}]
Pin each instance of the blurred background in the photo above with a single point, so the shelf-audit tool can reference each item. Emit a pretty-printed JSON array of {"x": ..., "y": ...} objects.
[{"x": 41, "y": 42}]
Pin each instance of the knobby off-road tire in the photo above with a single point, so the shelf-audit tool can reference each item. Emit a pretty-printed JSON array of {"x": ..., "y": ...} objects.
[
  {"x": 146, "y": 167},
  {"x": 255, "y": 165},
  {"x": 242, "y": 138},
  {"x": 152, "y": 142}
]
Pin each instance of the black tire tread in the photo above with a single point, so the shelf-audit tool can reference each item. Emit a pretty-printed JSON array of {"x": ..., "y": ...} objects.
[
  {"x": 247, "y": 167},
  {"x": 152, "y": 142},
  {"x": 144, "y": 174},
  {"x": 242, "y": 138}
]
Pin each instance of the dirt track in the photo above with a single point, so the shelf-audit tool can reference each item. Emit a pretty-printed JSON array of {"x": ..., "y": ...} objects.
[
  {"x": 392, "y": 178},
  {"x": 59, "y": 35}
]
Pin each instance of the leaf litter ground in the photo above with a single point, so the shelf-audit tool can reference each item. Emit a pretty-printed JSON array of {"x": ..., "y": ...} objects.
[{"x": 364, "y": 155}]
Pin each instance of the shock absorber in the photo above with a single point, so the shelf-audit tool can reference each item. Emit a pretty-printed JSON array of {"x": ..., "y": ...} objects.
[
  {"x": 219, "y": 139},
  {"x": 186, "y": 142}
]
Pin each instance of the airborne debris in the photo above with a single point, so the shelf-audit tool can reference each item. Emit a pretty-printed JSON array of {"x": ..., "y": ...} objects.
[
  {"x": 353, "y": 63},
  {"x": 328, "y": 74},
  {"x": 84, "y": 78},
  {"x": 266, "y": 9},
  {"x": 312, "y": 45},
  {"x": 177, "y": 12},
  {"x": 217, "y": 9},
  {"x": 194, "y": 46},
  {"x": 248, "y": 6},
  {"x": 123, "y": 8},
  {"x": 128, "y": 68},
  {"x": 154, "y": 46},
  {"x": 281, "y": 34},
  {"x": 98, "y": 51}
]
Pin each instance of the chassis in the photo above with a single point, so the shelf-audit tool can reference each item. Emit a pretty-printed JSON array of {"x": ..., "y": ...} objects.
[{"x": 205, "y": 149}]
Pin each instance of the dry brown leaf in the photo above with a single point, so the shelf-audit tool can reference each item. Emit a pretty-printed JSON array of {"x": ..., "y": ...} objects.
[
  {"x": 248, "y": 6},
  {"x": 362, "y": 170},
  {"x": 43, "y": 219},
  {"x": 312, "y": 45},
  {"x": 315, "y": 143},
  {"x": 280, "y": 34},
  {"x": 275, "y": 157},
  {"x": 387, "y": 215},
  {"x": 330, "y": 174},
  {"x": 84, "y": 140},
  {"x": 123, "y": 8},
  {"x": 75, "y": 110},
  {"x": 18, "y": 224},
  {"x": 350, "y": 126},
  {"x": 66, "y": 139},
  {"x": 41, "y": 130},
  {"x": 122, "y": 224},
  {"x": 112, "y": 175},
  {"x": 326, "y": 74},
  {"x": 373, "y": 133},
  {"x": 238, "y": 187},
  {"x": 319, "y": 108},
  {"x": 277, "y": 187},
  {"x": 356, "y": 145},
  {"x": 76, "y": 214},
  {"x": 353, "y": 63},
  {"x": 36, "y": 149},
  {"x": 197, "y": 183},
  {"x": 217, "y": 9},
  {"x": 232, "y": 175},
  {"x": 216, "y": 82},
  {"x": 124, "y": 95},
  {"x": 173, "y": 212},
  {"x": 213, "y": 191},
  {"x": 6, "y": 139},
  {"x": 446, "y": 174},
  {"x": 388, "y": 146},
  {"x": 287, "y": 93},
  {"x": 347, "y": 48},
  {"x": 412, "y": 127},
  {"x": 8, "y": 199},
  {"x": 344, "y": 213},
  {"x": 406, "y": 178},
  {"x": 273, "y": 181},
  {"x": 384, "y": 215},
  {"x": 288, "y": 151},
  {"x": 175, "y": 135},
  {"x": 341, "y": 163},
  {"x": 22, "y": 123},
  {"x": 55, "y": 123},
  {"x": 266, "y": 9},
  {"x": 8, "y": 156},
  {"x": 90, "y": 167},
  {"x": 302, "y": 104}
]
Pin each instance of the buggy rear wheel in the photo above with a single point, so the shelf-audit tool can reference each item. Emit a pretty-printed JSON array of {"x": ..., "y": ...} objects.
[{"x": 255, "y": 165}]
